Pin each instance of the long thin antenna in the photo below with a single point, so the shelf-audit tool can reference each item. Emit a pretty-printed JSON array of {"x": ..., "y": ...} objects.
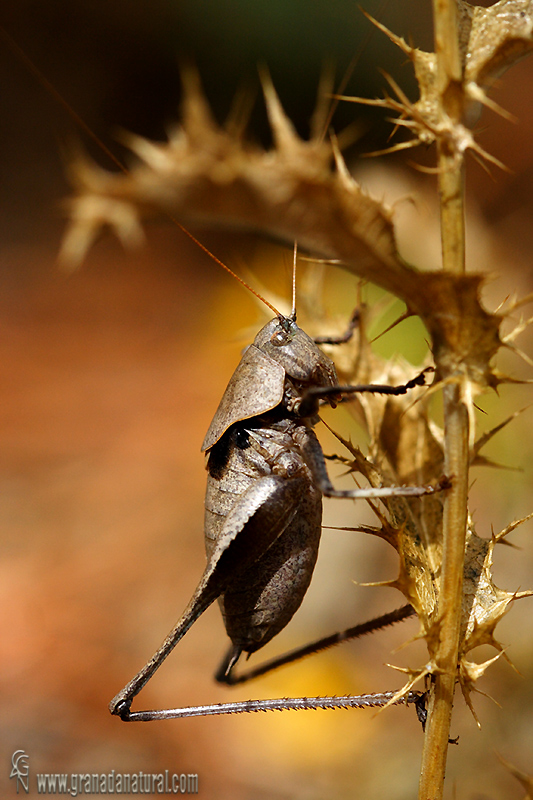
[
  {"x": 293, "y": 312},
  {"x": 43, "y": 80},
  {"x": 224, "y": 266}
]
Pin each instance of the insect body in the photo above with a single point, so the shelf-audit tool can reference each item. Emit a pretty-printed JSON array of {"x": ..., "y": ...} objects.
[
  {"x": 260, "y": 482},
  {"x": 263, "y": 508}
]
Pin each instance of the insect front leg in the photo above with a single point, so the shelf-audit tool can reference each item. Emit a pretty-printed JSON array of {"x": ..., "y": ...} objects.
[{"x": 309, "y": 400}]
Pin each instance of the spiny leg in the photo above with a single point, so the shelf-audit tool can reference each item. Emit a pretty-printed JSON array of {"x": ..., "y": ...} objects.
[
  {"x": 315, "y": 393},
  {"x": 278, "y": 704},
  {"x": 314, "y": 458}
]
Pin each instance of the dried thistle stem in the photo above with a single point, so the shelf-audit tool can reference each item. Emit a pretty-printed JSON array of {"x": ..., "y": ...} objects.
[
  {"x": 450, "y": 600},
  {"x": 447, "y": 42},
  {"x": 450, "y": 161},
  {"x": 456, "y": 421},
  {"x": 452, "y": 220}
]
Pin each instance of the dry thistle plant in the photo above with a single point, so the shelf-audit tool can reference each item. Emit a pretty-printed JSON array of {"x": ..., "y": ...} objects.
[{"x": 207, "y": 174}]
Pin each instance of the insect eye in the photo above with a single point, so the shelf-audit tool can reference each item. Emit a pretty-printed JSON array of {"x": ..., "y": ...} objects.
[{"x": 242, "y": 439}]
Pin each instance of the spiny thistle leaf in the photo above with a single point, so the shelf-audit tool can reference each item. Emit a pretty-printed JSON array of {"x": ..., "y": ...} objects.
[
  {"x": 494, "y": 38},
  {"x": 406, "y": 447},
  {"x": 490, "y": 40},
  {"x": 292, "y": 192}
]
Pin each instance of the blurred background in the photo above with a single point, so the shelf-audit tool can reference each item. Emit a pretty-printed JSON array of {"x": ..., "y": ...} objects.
[{"x": 110, "y": 377}]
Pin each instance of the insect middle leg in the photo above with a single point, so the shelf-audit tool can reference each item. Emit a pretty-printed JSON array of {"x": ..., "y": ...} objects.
[{"x": 314, "y": 457}]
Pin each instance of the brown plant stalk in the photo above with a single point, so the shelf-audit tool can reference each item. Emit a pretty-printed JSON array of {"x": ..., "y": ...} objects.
[{"x": 456, "y": 418}]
